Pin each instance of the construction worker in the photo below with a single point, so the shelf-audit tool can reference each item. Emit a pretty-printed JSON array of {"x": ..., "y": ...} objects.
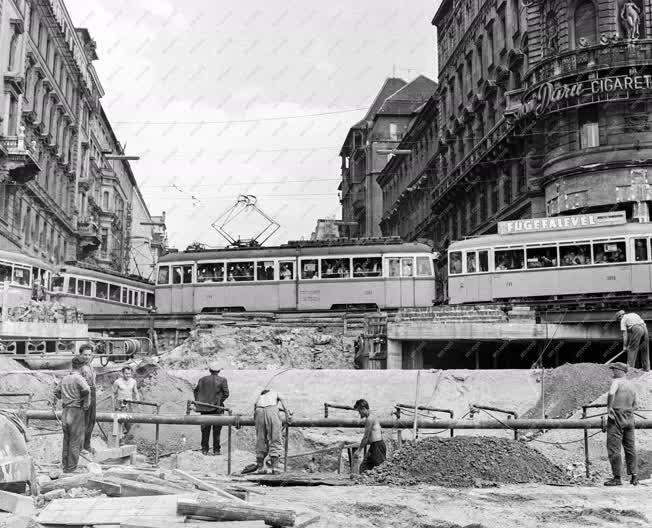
[
  {"x": 125, "y": 388},
  {"x": 74, "y": 393},
  {"x": 372, "y": 437},
  {"x": 621, "y": 402},
  {"x": 268, "y": 428},
  {"x": 213, "y": 390},
  {"x": 636, "y": 342},
  {"x": 88, "y": 372}
]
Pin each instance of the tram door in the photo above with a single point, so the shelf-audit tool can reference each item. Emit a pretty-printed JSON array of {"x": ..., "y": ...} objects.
[{"x": 182, "y": 278}]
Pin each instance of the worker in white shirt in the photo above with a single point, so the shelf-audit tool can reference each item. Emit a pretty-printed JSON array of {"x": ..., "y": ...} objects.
[
  {"x": 125, "y": 388},
  {"x": 268, "y": 428},
  {"x": 636, "y": 341}
]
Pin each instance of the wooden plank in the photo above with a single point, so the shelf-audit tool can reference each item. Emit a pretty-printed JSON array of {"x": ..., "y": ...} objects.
[
  {"x": 102, "y": 511},
  {"x": 112, "y": 453},
  {"x": 208, "y": 487},
  {"x": 232, "y": 511},
  {"x": 158, "y": 523},
  {"x": 16, "y": 504},
  {"x": 74, "y": 481},
  {"x": 108, "y": 488},
  {"x": 289, "y": 479},
  {"x": 132, "y": 488}
]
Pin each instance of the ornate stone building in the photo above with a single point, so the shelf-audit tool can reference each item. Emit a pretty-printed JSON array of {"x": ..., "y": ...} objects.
[{"x": 62, "y": 197}]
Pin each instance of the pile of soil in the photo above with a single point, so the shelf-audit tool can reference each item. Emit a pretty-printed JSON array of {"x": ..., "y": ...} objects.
[
  {"x": 465, "y": 461},
  {"x": 570, "y": 386},
  {"x": 45, "y": 312},
  {"x": 265, "y": 347}
]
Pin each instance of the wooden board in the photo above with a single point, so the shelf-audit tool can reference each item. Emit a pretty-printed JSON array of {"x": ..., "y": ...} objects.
[
  {"x": 289, "y": 479},
  {"x": 102, "y": 511},
  {"x": 158, "y": 523},
  {"x": 132, "y": 488}
]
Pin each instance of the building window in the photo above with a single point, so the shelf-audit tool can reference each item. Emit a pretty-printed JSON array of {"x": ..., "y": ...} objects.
[
  {"x": 480, "y": 58},
  {"x": 589, "y": 127},
  {"x": 507, "y": 188},
  {"x": 105, "y": 242},
  {"x": 27, "y": 224},
  {"x": 13, "y": 47},
  {"x": 516, "y": 13},
  {"x": 13, "y": 116},
  {"x": 490, "y": 45},
  {"x": 105, "y": 200},
  {"x": 469, "y": 71},
  {"x": 585, "y": 24},
  {"x": 521, "y": 178},
  {"x": 503, "y": 31}
]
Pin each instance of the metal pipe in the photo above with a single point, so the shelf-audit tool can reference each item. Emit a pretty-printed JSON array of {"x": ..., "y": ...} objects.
[
  {"x": 416, "y": 406},
  {"x": 586, "y": 444},
  {"x": 228, "y": 446},
  {"x": 156, "y": 439},
  {"x": 287, "y": 442},
  {"x": 328, "y": 405},
  {"x": 206, "y": 419}
]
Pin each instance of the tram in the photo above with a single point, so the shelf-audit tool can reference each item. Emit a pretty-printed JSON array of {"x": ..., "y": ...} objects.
[
  {"x": 22, "y": 274},
  {"x": 98, "y": 292},
  {"x": 311, "y": 275},
  {"x": 553, "y": 258}
]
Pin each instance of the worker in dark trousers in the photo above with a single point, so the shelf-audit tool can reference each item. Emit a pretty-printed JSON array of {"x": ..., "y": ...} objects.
[
  {"x": 88, "y": 372},
  {"x": 372, "y": 437},
  {"x": 74, "y": 393},
  {"x": 636, "y": 342},
  {"x": 214, "y": 390},
  {"x": 621, "y": 402}
]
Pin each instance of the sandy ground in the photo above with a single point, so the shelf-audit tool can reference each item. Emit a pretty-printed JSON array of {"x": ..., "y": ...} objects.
[{"x": 504, "y": 507}]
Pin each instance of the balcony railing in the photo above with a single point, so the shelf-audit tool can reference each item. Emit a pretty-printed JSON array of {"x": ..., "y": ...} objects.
[{"x": 582, "y": 60}]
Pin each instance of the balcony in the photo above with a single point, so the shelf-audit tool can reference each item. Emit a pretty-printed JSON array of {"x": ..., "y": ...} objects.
[
  {"x": 17, "y": 158},
  {"x": 583, "y": 60},
  {"x": 88, "y": 233}
]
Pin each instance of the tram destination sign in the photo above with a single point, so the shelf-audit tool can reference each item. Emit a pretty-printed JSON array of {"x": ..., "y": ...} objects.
[
  {"x": 539, "y": 101},
  {"x": 559, "y": 223}
]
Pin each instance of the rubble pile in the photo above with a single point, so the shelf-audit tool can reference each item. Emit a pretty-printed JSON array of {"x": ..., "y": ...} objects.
[
  {"x": 263, "y": 347},
  {"x": 465, "y": 461},
  {"x": 568, "y": 387},
  {"x": 45, "y": 312}
]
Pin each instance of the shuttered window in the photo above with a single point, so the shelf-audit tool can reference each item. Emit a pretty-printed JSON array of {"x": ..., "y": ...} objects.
[{"x": 585, "y": 31}]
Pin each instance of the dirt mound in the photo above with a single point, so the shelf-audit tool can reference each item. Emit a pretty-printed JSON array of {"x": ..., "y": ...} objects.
[
  {"x": 264, "y": 347},
  {"x": 570, "y": 386},
  {"x": 465, "y": 461},
  {"x": 45, "y": 312}
]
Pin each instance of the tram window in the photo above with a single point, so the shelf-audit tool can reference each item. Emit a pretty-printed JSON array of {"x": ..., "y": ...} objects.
[
  {"x": 265, "y": 270},
  {"x": 101, "y": 290},
  {"x": 210, "y": 272},
  {"x": 114, "y": 292},
  {"x": 335, "y": 268},
  {"x": 5, "y": 273},
  {"x": 80, "y": 287},
  {"x": 609, "y": 252},
  {"x": 286, "y": 270},
  {"x": 455, "y": 263},
  {"x": 483, "y": 260},
  {"x": 423, "y": 267},
  {"x": 509, "y": 259},
  {"x": 394, "y": 267},
  {"x": 240, "y": 271},
  {"x": 309, "y": 269},
  {"x": 57, "y": 283},
  {"x": 407, "y": 267},
  {"x": 640, "y": 249},
  {"x": 576, "y": 255},
  {"x": 367, "y": 267},
  {"x": 150, "y": 300},
  {"x": 470, "y": 262},
  {"x": 72, "y": 284},
  {"x": 163, "y": 275},
  {"x": 131, "y": 297},
  {"x": 541, "y": 257},
  {"x": 87, "y": 288},
  {"x": 182, "y": 274},
  {"x": 21, "y": 276},
  {"x": 141, "y": 299},
  {"x": 124, "y": 295}
]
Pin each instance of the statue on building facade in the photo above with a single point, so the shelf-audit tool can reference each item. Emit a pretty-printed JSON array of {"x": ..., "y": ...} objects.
[
  {"x": 550, "y": 37},
  {"x": 630, "y": 15}
]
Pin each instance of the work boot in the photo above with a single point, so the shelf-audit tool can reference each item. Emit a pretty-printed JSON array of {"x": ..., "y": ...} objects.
[
  {"x": 274, "y": 464},
  {"x": 260, "y": 465},
  {"x": 204, "y": 452},
  {"x": 614, "y": 482},
  {"x": 217, "y": 453},
  {"x": 634, "y": 480}
]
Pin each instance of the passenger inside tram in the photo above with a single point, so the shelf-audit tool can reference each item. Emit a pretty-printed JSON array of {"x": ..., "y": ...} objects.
[
  {"x": 408, "y": 270},
  {"x": 470, "y": 262},
  {"x": 286, "y": 272},
  {"x": 456, "y": 263}
]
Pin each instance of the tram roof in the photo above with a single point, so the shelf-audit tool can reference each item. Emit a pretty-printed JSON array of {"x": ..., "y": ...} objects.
[
  {"x": 84, "y": 271},
  {"x": 284, "y": 251},
  {"x": 565, "y": 235}
]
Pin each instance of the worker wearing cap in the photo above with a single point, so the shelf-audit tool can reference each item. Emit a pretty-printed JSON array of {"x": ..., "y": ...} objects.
[
  {"x": 635, "y": 339},
  {"x": 212, "y": 390},
  {"x": 74, "y": 393},
  {"x": 268, "y": 428},
  {"x": 88, "y": 372},
  {"x": 621, "y": 402}
]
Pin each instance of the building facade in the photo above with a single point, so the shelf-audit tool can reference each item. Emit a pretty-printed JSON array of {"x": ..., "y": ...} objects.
[
  {"x": 61, "y": 198},
  {"x": 381, "y": 129}
]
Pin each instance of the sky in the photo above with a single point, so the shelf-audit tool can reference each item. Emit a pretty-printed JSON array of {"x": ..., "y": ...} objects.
[{"x": 254, "y": 98}]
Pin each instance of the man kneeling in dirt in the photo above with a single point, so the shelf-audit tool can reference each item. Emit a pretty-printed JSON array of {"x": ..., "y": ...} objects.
[
  {"x": 621, "y": 403},
  {"x": 373, "y": 437}
]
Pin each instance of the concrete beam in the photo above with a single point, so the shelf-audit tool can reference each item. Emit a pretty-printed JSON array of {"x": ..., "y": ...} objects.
[
  {"x": 394, "y": 354},
  {"x": 427, "y": 331}
]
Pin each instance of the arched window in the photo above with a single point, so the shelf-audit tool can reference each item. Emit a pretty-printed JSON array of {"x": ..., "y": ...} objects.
[
  {"x": 105, "y": 200},
  {"x": 585, "y": 24}
]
